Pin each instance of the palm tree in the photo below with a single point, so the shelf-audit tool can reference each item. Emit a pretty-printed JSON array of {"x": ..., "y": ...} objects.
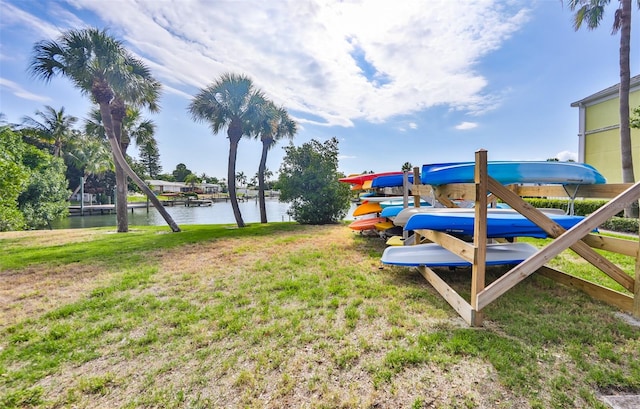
[
  {"x": 90, "y": 155},
  {"x": 102, "y": 68},
  {"x": 130, "y": 128},
  {"x": 55, "y": 128},
  {"x": 232, "y": 102},
  {"x": 274, "y": 125},
  {"x": 591, "y": 13}
]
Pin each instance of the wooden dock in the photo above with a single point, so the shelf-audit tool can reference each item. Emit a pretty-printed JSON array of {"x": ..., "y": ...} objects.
[{"x": 97, "y": 209}]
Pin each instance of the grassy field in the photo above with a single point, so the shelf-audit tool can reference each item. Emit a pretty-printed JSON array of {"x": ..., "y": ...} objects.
[{"x": 282, "y": 315}]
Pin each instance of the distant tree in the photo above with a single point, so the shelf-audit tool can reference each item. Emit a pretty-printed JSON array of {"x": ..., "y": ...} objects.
[
  {"x": 150, "y": 159},
  {"x": 211, "y": 179},
  {"x": 309, "y": 181},
  {"x": 181, "y": 172},
  {"x": 14, "y": 176},
  {"x": 274, "y": 124},
  {"x": 232, "y": 103},
  {"x": 91, "y": 156},
  {"x": 167, "y": 177},
  {"x": 192, "y": 180},
  {"x": 407, "y": 166},
  {"x": 553, "y": 160},
  {"x": 241, "y": 178},
  {"x": 54, "y": 128},
  {"x": 634, "y": 122},
  {"x": 45, "y": 197}
]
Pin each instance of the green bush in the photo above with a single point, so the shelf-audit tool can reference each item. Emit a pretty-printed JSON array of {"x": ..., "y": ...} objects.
[
  {"x": 621, "y": 224},
  {"x": 586, "y": 207},
  {"x": 580, "y": 207}
]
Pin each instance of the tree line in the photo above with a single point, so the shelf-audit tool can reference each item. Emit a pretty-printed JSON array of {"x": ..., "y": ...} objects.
[{"x": 120, "y": 85}]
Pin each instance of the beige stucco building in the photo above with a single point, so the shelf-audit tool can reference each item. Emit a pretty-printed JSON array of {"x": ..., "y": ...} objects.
[{"x": 599, "y": 131}]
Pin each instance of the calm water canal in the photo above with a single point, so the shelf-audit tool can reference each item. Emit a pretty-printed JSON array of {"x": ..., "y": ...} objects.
[{"x": 219, "y": 213}]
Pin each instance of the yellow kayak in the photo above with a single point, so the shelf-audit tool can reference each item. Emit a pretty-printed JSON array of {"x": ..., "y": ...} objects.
[{"x": 382, "y": 226}]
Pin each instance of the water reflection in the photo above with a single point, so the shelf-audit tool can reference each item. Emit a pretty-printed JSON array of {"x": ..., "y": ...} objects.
[{"x": 219, "y": 213}]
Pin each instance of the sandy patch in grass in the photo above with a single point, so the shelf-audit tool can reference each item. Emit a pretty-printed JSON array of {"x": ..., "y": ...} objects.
[
  {"x": 53, "y": 237},
  {"x": 33, "y": 291}
]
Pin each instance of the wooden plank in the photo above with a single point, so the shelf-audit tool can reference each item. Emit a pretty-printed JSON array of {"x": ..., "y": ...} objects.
[
  {"x": 416, "y": 202},
  {"x": 463, "y": 191},
  {"x": 555, "y": 230},
  {"x": 422, "y": 190},
  {"x": 466, "y": 191},
  {"x": 443, "y": 198},
  {"x": 636, "y": 293},
  {"x": 605, "y": 191},
  {"x": 570, "y": 237},
  {"x": 612, "y": 244},
  {"x": 453, "y": 244},
  {"x": 479, "y": 232},
  {"x": 611, "y": 297},
  {"x": 462, "y": 307}
]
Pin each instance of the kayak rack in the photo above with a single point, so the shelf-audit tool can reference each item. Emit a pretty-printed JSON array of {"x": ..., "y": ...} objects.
[{"x": 579, "y": 239}]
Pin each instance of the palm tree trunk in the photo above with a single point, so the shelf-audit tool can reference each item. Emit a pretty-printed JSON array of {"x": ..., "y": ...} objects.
[
  {"x": 625, "y": 79},
  {"x": 231, "y": 176},
  {"x": 122, "y": 217},
  {"x": 261, "y": 187},
  {"x": 120, "y": 160}
]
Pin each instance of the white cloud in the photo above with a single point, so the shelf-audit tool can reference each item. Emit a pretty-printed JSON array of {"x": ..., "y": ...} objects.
[
  {"x": 301, "y": 52},
  {"x": 566, "y": 155},
  {"x": 20, "y": 92},
  {"x": 466, "y": 126}
]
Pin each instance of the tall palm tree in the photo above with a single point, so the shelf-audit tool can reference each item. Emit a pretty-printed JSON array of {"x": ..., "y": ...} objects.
[
  {"x": 274, "y": 125},
  {"x": 102, "y": 68},
  {"x": 591, "y": 13},
  {"x": 55, "y": 128},
  {"x": 231, "y": 103},
  {"x": 129, "y": 128}
]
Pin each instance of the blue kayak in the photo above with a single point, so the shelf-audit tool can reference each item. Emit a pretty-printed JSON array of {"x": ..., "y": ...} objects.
[
  {"x": 506, "y": 172},
  {"x": 390, "y": 181},
  {"x": 498, "y": 224}
]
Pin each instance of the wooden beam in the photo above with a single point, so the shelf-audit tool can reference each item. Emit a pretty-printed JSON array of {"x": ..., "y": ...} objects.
[
  {"x": 613, "y": 244},
  {"x": 611, "y": 297},
  {"x": 479, "y": 232},
  {"x": 604, "y": 191},
  {"x": 463, "y": 191},
  {"x": 568, "y": 238},
  {"x": 462, "y": 307},
  {"x": 453, "y": 244},
  {"x": 422, "y": 190},
  {"x": 555, "y": 230},
  {"x": 636, "y": 293}
]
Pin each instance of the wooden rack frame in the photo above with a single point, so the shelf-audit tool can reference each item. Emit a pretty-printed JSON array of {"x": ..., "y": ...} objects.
[{"x": 578, "y": 238}]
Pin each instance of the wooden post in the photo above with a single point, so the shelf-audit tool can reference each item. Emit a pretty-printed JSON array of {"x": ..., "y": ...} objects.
[
  {"x": 636, "y": 292},
  {"x": 416, "y": 202},
  {"x": 479, "y": 234},
  {"x": 564, "y": 241}
]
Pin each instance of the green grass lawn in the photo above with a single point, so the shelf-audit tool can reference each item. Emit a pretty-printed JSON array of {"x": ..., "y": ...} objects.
[{"x": 282, "y": 315}]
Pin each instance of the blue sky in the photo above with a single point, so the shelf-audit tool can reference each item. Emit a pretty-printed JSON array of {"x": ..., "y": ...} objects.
[{"x": 395, "y": 81}]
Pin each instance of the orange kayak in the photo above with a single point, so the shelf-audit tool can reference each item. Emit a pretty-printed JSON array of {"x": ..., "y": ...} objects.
[
  {"x": 367, "y": 208},
  {"x": 366, "y": 224}
]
